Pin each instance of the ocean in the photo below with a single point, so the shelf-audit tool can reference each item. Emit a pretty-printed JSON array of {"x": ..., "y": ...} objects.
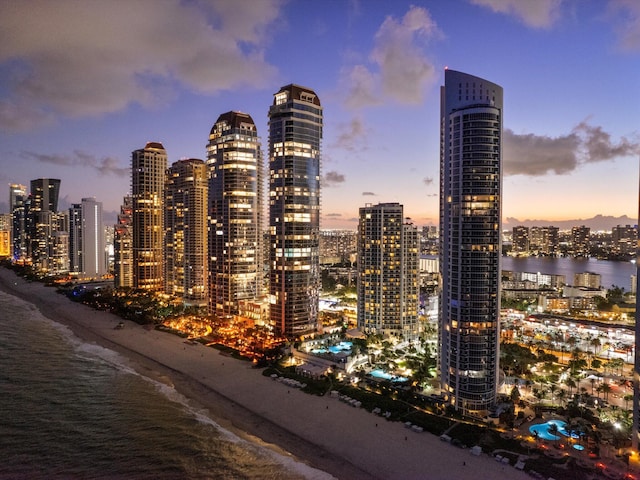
[{"x": 75, "y": 410}]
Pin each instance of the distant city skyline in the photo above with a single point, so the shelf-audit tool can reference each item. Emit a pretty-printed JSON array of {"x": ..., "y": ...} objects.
[{"x": 163, "y": 72}]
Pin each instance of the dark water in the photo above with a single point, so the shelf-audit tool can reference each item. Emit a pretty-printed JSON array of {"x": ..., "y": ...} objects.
[
  {"x": 74, "y": 410},
  {"x": 613, "y": 273}
]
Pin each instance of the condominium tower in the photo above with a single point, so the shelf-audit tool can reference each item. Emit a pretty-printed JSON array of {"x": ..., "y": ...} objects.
[
  {"x": 123, "y": 246},
  {"x": 148, "y": 170},
  {"x": 234, "y": 162},
  {"x": 87, "y": 251},
  {"x": 470, "y": 217},
  {"x": 388, "y": 272},
  {"x": 186, "y": 265},
  {"x": 17, "y": 199},
  {"x": 295, "y": 132}
]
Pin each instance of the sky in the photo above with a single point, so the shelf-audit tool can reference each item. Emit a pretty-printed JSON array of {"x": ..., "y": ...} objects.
[{"x": 84, "y": 83}]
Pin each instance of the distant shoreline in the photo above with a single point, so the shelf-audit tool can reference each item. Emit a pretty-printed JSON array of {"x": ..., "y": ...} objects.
[{"x": 328, "y": 435}]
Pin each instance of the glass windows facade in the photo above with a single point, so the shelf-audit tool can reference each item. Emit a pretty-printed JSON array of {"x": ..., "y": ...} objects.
[
  {"x": 470, "y": 219},
  {"x": 295, "y": 133},
  {"x": 234, "y": 162}
]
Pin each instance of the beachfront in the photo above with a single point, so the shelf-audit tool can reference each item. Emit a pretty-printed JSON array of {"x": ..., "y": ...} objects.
[{"x": 327, "y": 434}]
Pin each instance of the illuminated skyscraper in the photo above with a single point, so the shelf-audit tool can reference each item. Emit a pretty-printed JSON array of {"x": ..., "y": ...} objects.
[
  {"x": 148, "y": 170},
  {"x": 234, "y": 161},
  {"x": 388, "y": 275},
  {"x": 470, "y": 217},
  {"x": 520, "y": 240},
  {"x": 41, "y": 221},
  {"x": 186, "y": 265},
  {"x": 123, "y": 246},
  {"x": 295, "y": 132},
  {"x": 17, "y": 199}
]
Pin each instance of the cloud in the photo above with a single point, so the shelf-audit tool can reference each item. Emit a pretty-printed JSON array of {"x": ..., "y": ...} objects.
[
  {"x": 427, "y": 181},
  {"x": 628, "y": 28},
  {"x": 368, "y": 194},
  {"x": 537, "y": 155},
  {"x": 333, "y": 215},
  {"x": 352, "y": 134},
  {"x": 399, "y": 71},
  {"x": 82, "y": 58},
  {"x": 533, "y": 13},
  {"x": 333, "y": 178},
  {"x": 104, "y": 165}
]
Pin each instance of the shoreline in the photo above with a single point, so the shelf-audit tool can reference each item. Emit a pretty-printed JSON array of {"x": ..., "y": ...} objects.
[{"x": 321, "y": 432}]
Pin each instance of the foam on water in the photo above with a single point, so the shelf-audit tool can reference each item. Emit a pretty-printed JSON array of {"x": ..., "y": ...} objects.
[{"x": 96, "y": 353}]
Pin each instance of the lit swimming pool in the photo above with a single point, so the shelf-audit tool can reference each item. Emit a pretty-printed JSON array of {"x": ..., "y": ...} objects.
[
  {"x": 542, "y": 430},
  {"x": 339, "y": 348},
  {"x": 387, "y": 376}
]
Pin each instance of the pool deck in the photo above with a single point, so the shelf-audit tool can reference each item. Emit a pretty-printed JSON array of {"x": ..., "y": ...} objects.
[{"x": 614, "y": 467}]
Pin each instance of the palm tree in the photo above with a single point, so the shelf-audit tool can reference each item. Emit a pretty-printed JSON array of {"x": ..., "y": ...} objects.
[
  {"x": 627, "y": 398},
  {"x": 571, "y": 383},
  {"x": 561, "y": 396},
  {"x": 606, "y": 389}
]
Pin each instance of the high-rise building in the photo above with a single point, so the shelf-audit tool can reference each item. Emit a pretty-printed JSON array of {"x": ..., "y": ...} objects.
[
  {"x": 295, "y": 132},
  {"x": 520, "y": 240},
  {"x": 123, "y": 246},
  {"x": 388, "y": 272},
  {"x": 470, "y": 238},
  {"x": 624, "y": 239},
  {"x": 234, "y": 162},
  {"x": 544, "y": 240},
  {"x": 87, "y": 251},
  {"x": 186, "y": 264},
  {"x": 17, "y": 199},
  {"x": 580, "y": 241},
  {"x": 148, "y": 170},
  {"x": 6, "y": 225},
  {"x": 40, "y": 221}
]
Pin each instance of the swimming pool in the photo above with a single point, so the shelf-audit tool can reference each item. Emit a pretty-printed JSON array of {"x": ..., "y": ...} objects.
[
  {"x": 542, "y": 430},
  {"x": 340, "y": 347},
  {"x": 387, "y": 376}
]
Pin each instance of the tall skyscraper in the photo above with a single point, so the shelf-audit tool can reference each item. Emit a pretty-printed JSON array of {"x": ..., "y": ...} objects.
[
  {"x": 123, "y": 246},
  {"x": 17, "y": 199},
  {"x": 92, "y": 261},
  {"x": 148, "y": 170},
  {"x": 295, "y": 132},
  {"x": 40, "y": 221},
  {"x": 470, "y": 237},
  {"x": 388, "y": 272},
  {"x": 234, "y": 161},
  {"x": 186, "y": 264}
]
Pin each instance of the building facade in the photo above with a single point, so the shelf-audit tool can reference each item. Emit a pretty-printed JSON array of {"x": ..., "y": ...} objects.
[
  {"x": 470, "y": 240},
  {"x": 123, "y": 246},
  {"x": 295, "y": 133},
  {"x": 42, "y": 222},
  {"x": 234, "y": 162},
  {"x": 148, "y": 170},
  {"x": 186, "y": 259},
  {"x": 544, "y": 240},
  {"x": 520, "y": 241},
  {"x": 17, "y": 199},
  {"x": 581, "y": 241},
  {"x": 388, "y": 272}
]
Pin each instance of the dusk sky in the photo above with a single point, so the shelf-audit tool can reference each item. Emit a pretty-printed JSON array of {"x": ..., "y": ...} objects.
[{"x": 83, "y": 83}]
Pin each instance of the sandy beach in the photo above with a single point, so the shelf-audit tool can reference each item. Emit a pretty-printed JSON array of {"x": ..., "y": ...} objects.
[{"x": 347, "y": 442}]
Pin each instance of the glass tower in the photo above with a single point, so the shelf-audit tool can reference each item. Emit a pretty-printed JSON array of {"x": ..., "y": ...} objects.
[
  {"x": 186, "y": 266},
  {"x": 470, "y": 218},
  {"x": 234, "y": 162},
  {"x": 295, "y": 132},
  {"x": 148, "y": 170}
]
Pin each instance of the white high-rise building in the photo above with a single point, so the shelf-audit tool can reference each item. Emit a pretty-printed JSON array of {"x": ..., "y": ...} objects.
[{"x": 470, "y": 240}]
